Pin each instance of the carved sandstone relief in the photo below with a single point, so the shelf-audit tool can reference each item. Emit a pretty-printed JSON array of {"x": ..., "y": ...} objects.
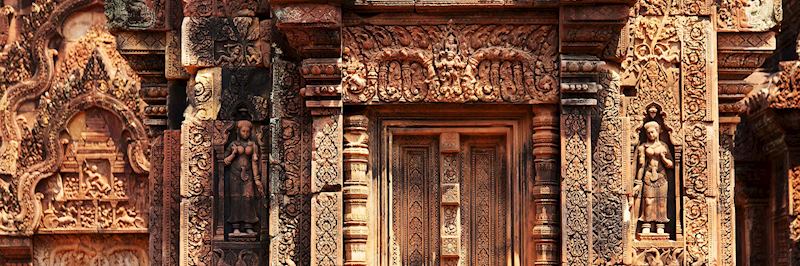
[
  {"x": 103, "y": 89},
  {"x": 91, "y": 250},
  {"x": 95, "y": 188},
  {"x": 290, "y": 172},
  {"x": 450, "y": 63},
  {"x": 224, "y": 42},
  {"x": 748, "y": 15}
]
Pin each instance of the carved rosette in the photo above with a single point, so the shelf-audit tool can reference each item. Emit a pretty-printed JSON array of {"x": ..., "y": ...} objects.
[{"x": 450, "y": 63}]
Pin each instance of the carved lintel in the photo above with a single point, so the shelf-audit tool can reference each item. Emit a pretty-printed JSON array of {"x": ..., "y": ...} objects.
[{"x": 452, "y": 62}]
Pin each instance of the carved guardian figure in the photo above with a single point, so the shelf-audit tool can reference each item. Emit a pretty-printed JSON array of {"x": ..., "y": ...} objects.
[
  {"x": 242, "y": 175},
  {"x": 651, "y": 182}
]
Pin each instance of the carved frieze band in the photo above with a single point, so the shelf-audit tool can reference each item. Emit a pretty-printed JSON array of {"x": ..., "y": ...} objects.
[{"x": 450, "y": 63}]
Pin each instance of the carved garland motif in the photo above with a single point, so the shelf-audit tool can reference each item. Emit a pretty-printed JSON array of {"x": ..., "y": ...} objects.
[{"x": 450, "y": 63}]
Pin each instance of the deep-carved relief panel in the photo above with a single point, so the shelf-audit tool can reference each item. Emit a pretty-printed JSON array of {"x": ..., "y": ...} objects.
[
  {"x": 96, "y": 187},
  {"x": 450, "y": 63},
  {"x": 91, "y": 250}
]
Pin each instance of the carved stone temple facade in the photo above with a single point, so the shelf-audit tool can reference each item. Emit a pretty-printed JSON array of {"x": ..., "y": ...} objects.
[{"x": 399, "y": 132}]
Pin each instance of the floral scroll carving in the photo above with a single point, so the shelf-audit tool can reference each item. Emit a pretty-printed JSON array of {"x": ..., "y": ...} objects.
[{"x": 450, "y": 63}]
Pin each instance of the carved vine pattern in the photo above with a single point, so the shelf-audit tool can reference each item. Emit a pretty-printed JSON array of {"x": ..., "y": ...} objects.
[
  {"x": 609, "y": 193},
  {"x": 577, "y": 187}
]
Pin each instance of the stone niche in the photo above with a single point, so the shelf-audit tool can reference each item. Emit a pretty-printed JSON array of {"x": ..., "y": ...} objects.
[{"x": 97, "y": 188}]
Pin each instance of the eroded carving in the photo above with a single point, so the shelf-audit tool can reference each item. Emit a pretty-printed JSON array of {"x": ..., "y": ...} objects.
[{"x": 243, "y": 179}]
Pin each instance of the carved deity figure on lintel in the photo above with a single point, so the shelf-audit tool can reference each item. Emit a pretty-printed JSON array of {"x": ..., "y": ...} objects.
[
  {"x": 651, "y": 184},
  {"x": 242, "y": 175}
]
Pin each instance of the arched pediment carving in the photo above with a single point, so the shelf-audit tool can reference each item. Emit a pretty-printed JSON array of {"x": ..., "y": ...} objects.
[{"x": 85, "y": 76}]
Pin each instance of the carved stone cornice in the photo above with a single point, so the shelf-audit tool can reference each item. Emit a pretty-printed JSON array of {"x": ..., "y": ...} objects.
[
  {"x": 594, "y": 29},
  {"x": 311, "y": 29},
  {"x": 580, "y": 78}
]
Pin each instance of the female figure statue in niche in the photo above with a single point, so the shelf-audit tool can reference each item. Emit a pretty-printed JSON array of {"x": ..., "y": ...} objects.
[
  {"x": 242, "y": 175},
  {"x": 651, "y": 181}
]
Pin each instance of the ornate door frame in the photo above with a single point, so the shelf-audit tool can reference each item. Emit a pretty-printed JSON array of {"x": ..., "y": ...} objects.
[{"x": 390, "y": 121}]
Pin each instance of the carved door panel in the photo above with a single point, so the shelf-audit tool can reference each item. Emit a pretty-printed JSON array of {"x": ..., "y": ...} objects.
[{"x": 449, "y": 200}]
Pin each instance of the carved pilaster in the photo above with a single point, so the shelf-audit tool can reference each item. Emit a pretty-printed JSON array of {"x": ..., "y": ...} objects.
[
  {"x": 326, "y": 182},
  {"x": 356, "y": 190},
  {"x": 727, "y": 215},
  {"x": 575, "y": 187}
]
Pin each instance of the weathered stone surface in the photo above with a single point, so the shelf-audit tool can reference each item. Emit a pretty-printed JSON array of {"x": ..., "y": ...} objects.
[{"x": 227, "y": 42}]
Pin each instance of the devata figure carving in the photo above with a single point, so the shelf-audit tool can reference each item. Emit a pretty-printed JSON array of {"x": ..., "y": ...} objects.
[
  {"x": 652, "y": 183},
  {"x": 242, "y": 175}
]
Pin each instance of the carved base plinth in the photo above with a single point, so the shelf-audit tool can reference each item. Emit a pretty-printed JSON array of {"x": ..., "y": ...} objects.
[
  {"x": 653, "y": 236},
  {"x": 238, "y": 253},
  {"x": 243, "y": 237}
]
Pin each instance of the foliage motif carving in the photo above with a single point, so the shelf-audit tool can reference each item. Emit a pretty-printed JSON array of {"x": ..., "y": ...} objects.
[
  {"x": 327, "y": 151},
  {"x": 290, "y": 164},
  {"x": 607, "y": 172},
  {"x": 786, "y": 93},
  {"x": 650, "y": 67},
  {"x": 450, "y": 63},
  {"x": 576, "y": 187},
  {"x": 695, "y": 70},
  {"x": 726, "y": 196},
  {"x": 696, "y": 187}
]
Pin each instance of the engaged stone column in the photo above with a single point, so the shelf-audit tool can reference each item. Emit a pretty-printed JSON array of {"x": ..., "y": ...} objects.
[
  {"x": 545, "y": 192},
  {"x": 356, "y": 190}
]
